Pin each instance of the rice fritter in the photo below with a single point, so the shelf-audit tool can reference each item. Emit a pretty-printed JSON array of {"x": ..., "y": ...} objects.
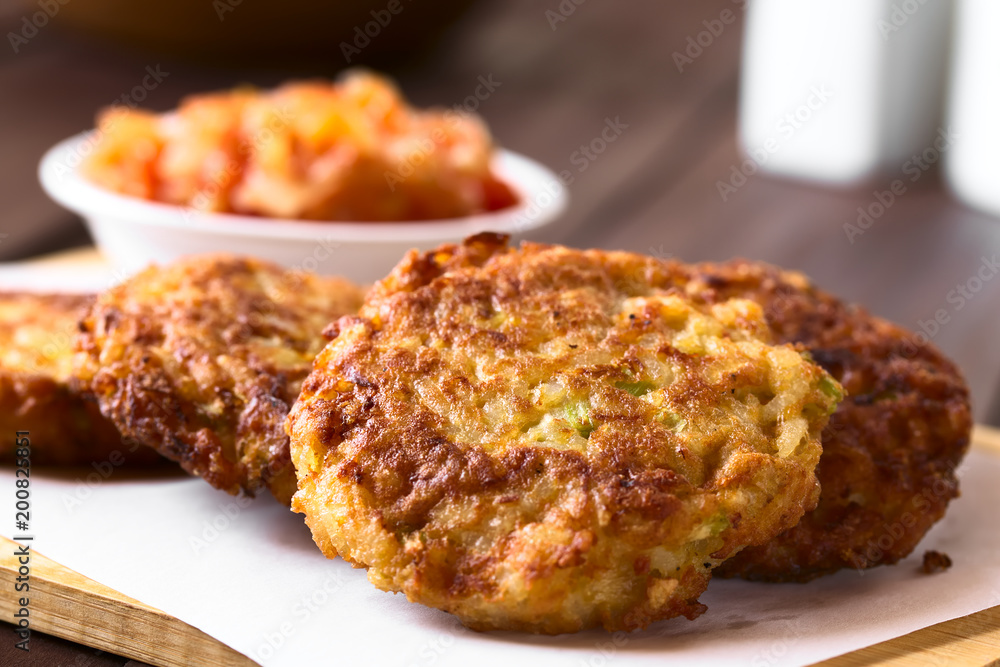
[
  {"x": 201, "y": 360},
  {"x": 36, "y": 358},
  {"x": 545, "y": 439}
]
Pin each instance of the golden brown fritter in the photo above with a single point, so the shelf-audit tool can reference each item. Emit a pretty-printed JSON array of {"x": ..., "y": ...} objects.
[
  {"x": 891, "y": 449},
  {"x": 36, "y": 351},
  {"x": 547, "y": 439},
  {"x": 201, "y": 360}
]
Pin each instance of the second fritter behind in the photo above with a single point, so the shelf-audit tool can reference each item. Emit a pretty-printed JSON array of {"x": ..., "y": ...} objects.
[
  {"x": 201, "y": 360},
  {"x": 891, "y": 449}
]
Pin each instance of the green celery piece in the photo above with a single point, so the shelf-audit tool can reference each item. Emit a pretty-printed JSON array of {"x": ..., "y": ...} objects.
[
  {"x": 578, "y": 416},
  {"x": 640, "y": 388}
]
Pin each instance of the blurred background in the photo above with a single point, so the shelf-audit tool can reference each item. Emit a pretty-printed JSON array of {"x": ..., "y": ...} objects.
[{"x": 635, "y": 105}]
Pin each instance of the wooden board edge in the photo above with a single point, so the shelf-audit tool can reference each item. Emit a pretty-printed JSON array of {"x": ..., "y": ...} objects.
[
  {"x": 969, "y": 640},
  {"x": 65, "y": 604},
  {"x": 80, "y": 256},
  {"x": 986, "y": 437}
]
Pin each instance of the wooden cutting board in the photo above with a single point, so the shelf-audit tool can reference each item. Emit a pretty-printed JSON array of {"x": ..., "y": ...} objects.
[{"x": 69, "y": 605}]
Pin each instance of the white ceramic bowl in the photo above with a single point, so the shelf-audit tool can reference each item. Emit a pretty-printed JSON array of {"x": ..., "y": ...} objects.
[{"x": 133, "y": 232}]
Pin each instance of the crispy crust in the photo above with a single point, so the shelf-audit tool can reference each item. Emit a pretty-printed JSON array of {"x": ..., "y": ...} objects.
[
  {"x": 201, "y": 360},
  {"x": 547, "y": 439},
  {"x": 36, "y": 334},
  {"x": 891, "y": 449}
]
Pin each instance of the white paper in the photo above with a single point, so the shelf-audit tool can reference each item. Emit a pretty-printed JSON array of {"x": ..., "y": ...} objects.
[
  {"x": 73, "y": 277},
  {"x": 247, "y": 573}
]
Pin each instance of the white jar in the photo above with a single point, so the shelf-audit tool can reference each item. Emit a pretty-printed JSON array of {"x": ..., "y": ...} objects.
[
  {"x": 972, "y": 167},
  {"x": 841, "y": 90}
]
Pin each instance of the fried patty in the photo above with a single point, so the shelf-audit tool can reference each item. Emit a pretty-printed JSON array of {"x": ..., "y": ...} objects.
[
  {"x": 545, "y": 439},
  {"x": 36, "y": 352},
  {"x": 201, "y": 360},
  {"x": 890, "y": 450}
]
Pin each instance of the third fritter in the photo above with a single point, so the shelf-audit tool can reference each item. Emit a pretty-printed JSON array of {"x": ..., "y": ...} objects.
[
  {"x": 36, "y": 360},
  {"x": 891, "y": 449},
  {"x": 201, "y": 360},
  {"x": 545, "y": 439}
]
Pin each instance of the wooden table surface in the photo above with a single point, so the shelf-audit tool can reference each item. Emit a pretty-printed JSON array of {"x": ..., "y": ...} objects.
[{"x": 557, "y": 85}]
